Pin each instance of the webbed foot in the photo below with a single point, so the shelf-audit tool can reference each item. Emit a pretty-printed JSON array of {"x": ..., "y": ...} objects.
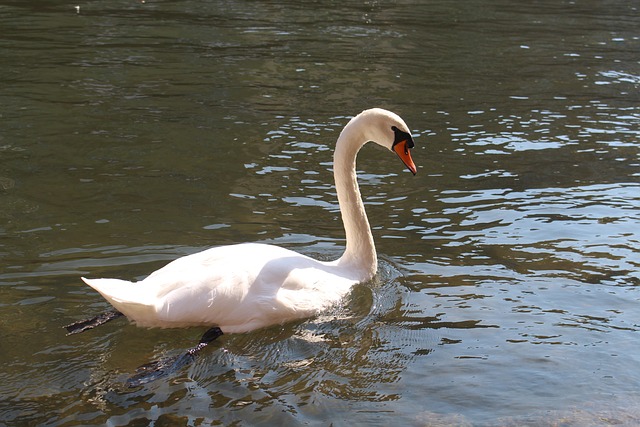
[
  {"x": 101, "y": 319},
  {"x": 160, "y": 368}
]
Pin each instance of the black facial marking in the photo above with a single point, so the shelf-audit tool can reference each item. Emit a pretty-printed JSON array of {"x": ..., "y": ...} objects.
[{"x": 402, "y": 136}]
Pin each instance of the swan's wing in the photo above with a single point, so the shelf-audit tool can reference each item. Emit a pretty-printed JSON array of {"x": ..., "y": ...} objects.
[{"x": 235, "y": 287}]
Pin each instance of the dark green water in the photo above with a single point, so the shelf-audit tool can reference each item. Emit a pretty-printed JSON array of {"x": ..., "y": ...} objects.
[{"x": 133, "y": 132}]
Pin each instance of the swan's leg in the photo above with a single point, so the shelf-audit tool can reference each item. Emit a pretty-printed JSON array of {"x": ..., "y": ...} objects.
[
  {"x": 163, "y": 367},
  {"x": 83, "y": 325}
]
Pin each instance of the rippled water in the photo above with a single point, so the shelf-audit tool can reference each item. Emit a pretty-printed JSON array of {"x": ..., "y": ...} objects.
[{"x": 136, "y": 132}]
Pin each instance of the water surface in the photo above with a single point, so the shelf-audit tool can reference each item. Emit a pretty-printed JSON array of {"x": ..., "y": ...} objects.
[{"x": 507, "y": 294}]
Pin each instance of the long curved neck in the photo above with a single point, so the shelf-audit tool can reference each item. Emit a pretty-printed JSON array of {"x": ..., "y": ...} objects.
[{"x": 360, "y": 254}]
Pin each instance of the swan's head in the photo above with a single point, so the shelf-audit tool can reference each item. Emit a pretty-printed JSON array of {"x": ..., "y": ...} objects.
[{"x": 389, "y": 130}]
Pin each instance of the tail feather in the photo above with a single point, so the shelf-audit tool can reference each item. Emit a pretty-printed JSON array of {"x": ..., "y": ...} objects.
[{"x": 127, "y": 297}]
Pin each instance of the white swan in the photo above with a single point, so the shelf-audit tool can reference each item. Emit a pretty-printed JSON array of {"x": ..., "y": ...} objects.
[{"x": 244, "y": 287}]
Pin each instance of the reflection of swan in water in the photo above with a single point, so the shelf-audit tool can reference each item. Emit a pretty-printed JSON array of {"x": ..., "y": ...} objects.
[{"x": 244, "y": 287}]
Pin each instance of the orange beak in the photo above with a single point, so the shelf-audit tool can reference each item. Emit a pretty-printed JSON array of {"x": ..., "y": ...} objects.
[{"x": 402, "y": 150}]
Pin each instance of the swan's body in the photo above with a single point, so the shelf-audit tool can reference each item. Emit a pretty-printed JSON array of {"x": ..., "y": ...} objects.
[
  {"x": 244, "y": 287},
  {"x": 238, "y": 288}
]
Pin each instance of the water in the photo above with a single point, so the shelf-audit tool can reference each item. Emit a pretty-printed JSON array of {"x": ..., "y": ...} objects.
[{"x": 136, "y": 132}]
